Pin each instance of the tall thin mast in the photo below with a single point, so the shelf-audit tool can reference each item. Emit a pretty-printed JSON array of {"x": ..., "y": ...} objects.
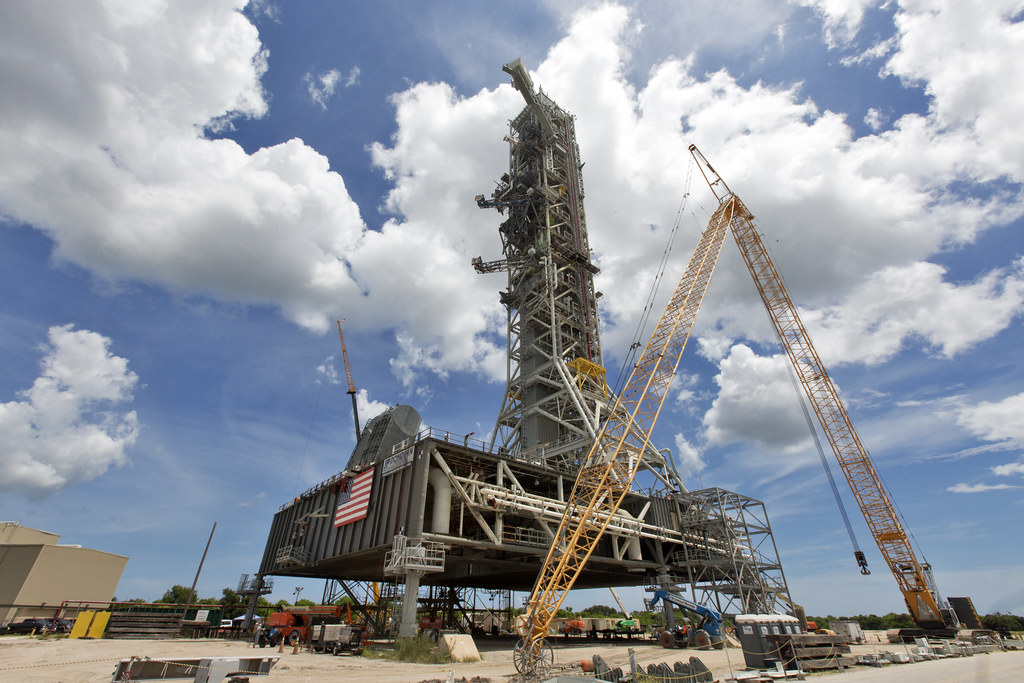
[{"x": 348, "y": 376}]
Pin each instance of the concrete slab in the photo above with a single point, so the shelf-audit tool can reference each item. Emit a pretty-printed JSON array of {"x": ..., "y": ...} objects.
[{"x": 460, "y": 647}]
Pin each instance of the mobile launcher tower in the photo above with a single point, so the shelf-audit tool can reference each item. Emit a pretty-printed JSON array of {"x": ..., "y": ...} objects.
[{"x": 428, "y": 522}]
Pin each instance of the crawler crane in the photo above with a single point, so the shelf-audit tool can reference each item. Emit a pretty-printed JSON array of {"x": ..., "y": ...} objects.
[
  {"x": 612, "y": 463},
  {"x": 913, "y": 577}
]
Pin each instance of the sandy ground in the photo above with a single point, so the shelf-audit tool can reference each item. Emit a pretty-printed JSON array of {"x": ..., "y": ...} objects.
[{"x": 92, "y": 661}]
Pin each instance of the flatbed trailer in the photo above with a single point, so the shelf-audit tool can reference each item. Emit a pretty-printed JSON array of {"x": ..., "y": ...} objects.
[{"x": 198, "y": 669}]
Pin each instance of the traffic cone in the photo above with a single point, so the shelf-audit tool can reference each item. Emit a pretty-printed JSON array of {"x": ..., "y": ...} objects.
[
  {"x": 295, "y": 648},
  {"x": 280, "y": 646}
]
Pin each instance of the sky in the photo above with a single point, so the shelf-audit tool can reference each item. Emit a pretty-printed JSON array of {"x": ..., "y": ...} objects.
[{"x": 193, "y": 192}]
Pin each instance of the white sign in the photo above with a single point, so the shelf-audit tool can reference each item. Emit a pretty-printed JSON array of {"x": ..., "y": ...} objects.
[
  {"x": 203, "y": 615},
  {"x": 398, "y": 461}
]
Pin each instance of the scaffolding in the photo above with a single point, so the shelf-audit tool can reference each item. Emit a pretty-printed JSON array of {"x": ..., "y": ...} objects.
[
  {"x": 730, "y": 559},
  {"x": 556, "y": 387}
]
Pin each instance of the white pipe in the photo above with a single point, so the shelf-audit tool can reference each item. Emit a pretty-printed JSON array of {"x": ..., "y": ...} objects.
[
  {"x": 574, "y": 393},
  {"x": 633, "y": 544},
  {"x": 622, "y": 523},
  {"x": 441, "y": 519}
]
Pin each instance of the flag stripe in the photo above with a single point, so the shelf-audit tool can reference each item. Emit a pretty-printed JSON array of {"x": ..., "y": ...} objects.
[{"x": 355, "y": 499}]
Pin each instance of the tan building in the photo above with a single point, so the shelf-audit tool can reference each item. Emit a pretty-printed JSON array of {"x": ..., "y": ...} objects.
[{"x": 37, "y": 574}]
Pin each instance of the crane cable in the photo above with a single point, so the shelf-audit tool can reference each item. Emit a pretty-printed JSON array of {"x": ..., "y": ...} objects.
[
  {"x": 858, "y": 554},
  {"x": 309, "y": 434},
  {"x": 630, "y": 358}
]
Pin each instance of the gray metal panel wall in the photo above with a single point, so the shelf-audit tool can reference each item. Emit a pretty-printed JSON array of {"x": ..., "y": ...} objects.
[{"x": 392, "y": 506}]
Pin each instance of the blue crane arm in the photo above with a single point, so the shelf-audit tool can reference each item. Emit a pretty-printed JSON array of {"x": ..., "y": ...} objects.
[{"x": 711, "y": 620}]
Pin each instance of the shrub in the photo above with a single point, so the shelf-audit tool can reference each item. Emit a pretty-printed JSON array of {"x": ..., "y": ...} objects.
[{"x": 419, "y": 650}]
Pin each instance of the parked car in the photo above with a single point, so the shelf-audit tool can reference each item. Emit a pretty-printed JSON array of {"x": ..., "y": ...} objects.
[
  {"x": 61, "y": 626},
  {"x": 29, "y": 625}
]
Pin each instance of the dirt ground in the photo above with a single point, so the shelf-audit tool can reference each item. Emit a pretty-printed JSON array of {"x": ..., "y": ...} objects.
[{"x": 93, "y": 661}]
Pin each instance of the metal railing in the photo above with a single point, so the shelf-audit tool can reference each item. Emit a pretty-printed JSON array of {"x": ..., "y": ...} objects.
[
  {"x": 414, "y": 554},
  {"x": 289, "y": 555}
]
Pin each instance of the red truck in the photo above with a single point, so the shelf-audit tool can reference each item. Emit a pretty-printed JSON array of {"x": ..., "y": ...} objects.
[
  {"x": 573, "y": 627},
  {"x": 292, "y": 624}
]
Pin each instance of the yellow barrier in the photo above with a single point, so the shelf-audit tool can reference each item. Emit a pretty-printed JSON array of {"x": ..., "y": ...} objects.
[
  {"x": 99, "y": 625},
  {"x": 82, "y": 622}
]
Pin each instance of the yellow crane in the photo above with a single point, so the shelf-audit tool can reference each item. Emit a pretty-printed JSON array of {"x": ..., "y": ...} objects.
[
  {"x": 612, "y": 463},
  {"x": 348, "y": 376},
  {"x": 912, "y": 576}
]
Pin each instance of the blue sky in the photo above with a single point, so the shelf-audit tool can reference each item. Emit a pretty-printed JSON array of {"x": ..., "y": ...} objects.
[{"x": 192, "y": 194}]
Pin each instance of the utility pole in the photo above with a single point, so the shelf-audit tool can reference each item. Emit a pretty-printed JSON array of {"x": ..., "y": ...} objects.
[{"x": 192, "y": 593}]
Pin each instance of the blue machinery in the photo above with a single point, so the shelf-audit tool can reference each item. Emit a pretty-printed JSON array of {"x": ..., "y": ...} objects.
[{"x": 707, "y": 631}]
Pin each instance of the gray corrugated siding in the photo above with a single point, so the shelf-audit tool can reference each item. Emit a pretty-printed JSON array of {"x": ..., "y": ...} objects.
[{"x": 392, "y": 507}]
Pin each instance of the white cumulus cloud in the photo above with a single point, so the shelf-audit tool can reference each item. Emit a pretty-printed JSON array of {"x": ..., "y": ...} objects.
[
  {"x": 368, "y": 408},
  {"x": 689, "y": 459},
  {"x": 756, "y": 402},
  {"x": 71, "y": 425},
  {"x": 1009, "y": 469},
  {"x": 842, "y": 18},
  {"x": 117, "y": 171},
  {"x": 914, "y": 301},
  {"x": 966, "y": 56},
  {"x": 103, "y": 126},
  {"x": 996, "y": 421}
]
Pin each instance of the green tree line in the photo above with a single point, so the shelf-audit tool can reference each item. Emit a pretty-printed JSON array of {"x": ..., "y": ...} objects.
[
  {"x": 234, "y": 606},
  {"x": 873, "y": 622},
  {"x": 232, "y": 602}
]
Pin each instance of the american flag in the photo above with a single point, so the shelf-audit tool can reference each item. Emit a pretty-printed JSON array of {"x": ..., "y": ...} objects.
[{"x": 355, "y": 499}]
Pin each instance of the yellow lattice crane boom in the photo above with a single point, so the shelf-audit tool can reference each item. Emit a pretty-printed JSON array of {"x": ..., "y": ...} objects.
[
  {"x": 879, "y": 513},
  {"x": 348, "y": 377},
  {"x": 608, "y": 472}
]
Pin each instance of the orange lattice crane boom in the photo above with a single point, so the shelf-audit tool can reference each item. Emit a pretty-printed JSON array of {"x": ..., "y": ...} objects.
[
  {"x": 612, "y": 463},
  {"x": 348, "y": 376},
  {"x": 912, "y": 576}
]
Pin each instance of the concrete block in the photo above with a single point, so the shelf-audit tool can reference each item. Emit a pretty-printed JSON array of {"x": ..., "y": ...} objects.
[{"x": 460, "y": 647}]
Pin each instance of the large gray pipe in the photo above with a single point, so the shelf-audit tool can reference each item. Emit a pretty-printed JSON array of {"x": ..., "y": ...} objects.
[{"x": 442, "y": 488}]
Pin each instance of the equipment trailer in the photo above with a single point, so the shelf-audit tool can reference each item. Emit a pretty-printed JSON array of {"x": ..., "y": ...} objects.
[{"x": 337, "y": 639}]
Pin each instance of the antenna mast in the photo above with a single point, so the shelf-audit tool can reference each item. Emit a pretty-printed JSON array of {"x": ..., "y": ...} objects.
[{"x": 348, "y": 376}]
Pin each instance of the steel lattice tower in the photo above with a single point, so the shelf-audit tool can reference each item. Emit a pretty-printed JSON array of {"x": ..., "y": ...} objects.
[
  {"x": 556, "y": 382},
  {"x": 494, "y": 508}
]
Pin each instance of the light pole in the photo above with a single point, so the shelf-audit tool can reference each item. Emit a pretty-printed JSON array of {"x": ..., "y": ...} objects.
[{"x": 298, "y": 589}]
